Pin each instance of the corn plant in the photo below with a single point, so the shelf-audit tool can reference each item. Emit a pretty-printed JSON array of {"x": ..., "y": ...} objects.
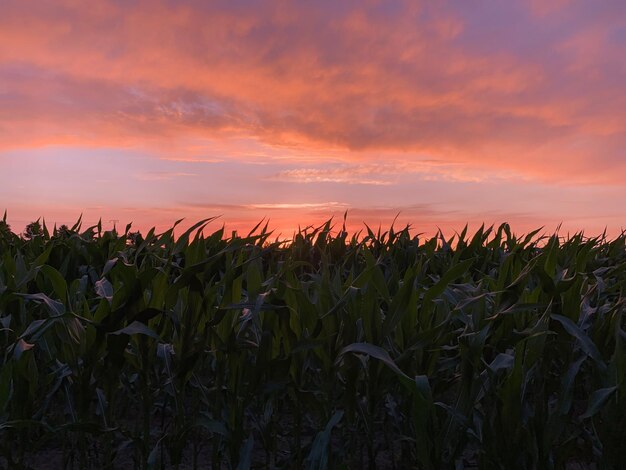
[{"x": 373, "y": 350}]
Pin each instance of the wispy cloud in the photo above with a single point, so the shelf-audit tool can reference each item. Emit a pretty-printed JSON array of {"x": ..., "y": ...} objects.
[
  {"x": 345, "y": 175},
  {"x": 388, "y": 173},
  {"x": 162, "y": 175},
  {"x": 288, "y": 206},
  {"x": 318, "y": 206},
  {"x": 192, "y": 159}
]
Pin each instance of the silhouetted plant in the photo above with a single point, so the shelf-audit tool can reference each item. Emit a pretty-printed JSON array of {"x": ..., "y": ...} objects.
[{"x": 32, "y": 230}]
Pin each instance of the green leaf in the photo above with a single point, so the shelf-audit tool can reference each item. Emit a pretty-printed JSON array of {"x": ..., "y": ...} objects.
[
  {"x": 154, "y": 460},
  {"x": 108, "y": 266},
  {"x": 375, "y": 352},
  {"x": 245, "y": 454},
  {"x": 587, "y": 345},
  {"x": 452, "y": 274},
  {"x": 213, "y": 426},
  {"x": 6, "y": 385},
  {"x": 57, "y": 280},
  {"x": 34, "y": 326},
  {"x": 597, "y": 400},
  {"x": 502, "y": 361},
  {"x": 21, "y": 347},
  {"x": 136, "y": 328},
  {"x": 104, "y": 289},
  {"x": 318, "y": 457},
  {"x": 56, "y": 309},
  {"x": 24, "y": 424}
]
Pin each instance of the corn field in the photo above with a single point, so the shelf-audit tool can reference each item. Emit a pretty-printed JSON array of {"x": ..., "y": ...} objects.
[{"x": 371, "y": 350}]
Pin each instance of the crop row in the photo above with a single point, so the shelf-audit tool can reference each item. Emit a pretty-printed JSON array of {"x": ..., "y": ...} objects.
[{"x": 377, "y": 350}]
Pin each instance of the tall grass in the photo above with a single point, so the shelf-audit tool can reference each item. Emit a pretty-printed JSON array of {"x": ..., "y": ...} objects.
[{"x": 332, "y": 351}]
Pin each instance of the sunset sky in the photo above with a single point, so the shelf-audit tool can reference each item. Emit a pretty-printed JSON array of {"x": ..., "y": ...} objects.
[{"x": 444, "y": 112}]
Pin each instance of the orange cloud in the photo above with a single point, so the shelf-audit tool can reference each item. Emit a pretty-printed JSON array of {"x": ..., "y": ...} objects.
[
  {"x": 520, "y": 89},
  {"x": 382, "y": 174}
]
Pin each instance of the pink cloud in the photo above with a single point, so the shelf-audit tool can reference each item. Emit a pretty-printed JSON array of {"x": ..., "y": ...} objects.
[
  {"x": 384, "y": 174},
  {"x": 381, "y": 77}
]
